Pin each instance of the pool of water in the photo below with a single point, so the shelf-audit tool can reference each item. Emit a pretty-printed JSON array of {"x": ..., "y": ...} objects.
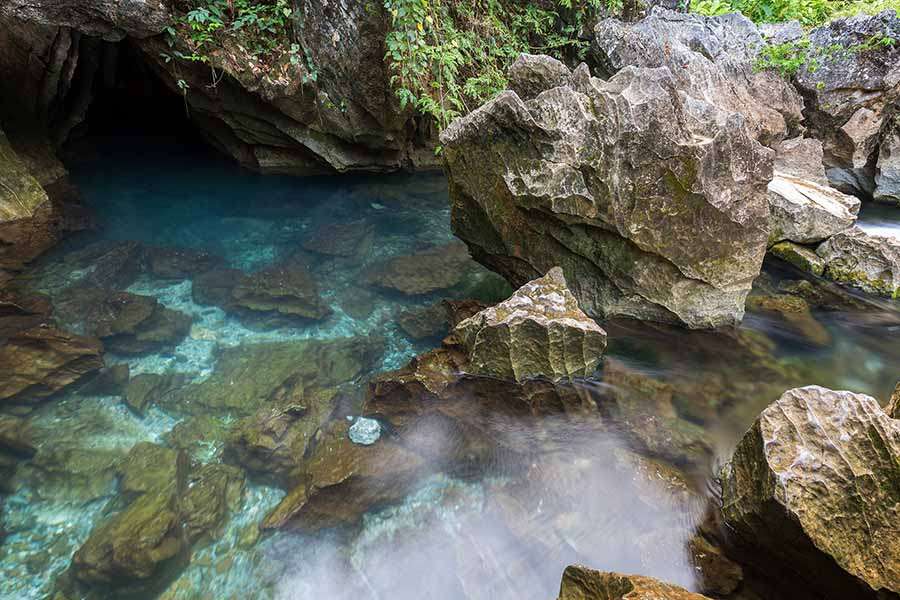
[{"x": 501, "y": 532}]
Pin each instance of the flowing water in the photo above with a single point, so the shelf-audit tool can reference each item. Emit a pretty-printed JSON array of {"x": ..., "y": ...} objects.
[{"x": 499, "y": 533}]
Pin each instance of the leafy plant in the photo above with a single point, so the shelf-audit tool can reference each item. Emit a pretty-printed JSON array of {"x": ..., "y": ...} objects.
[
  {"x": 448, "y": 56},
  {"x": 808, "y": 12}
]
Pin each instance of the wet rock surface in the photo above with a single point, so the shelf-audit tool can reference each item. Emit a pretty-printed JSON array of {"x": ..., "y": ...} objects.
[
  {"x": 577, "y": 197},
  {"x": 538, "y": 331},
  {"x": 582, "y": 583},
  {"x": 869, "y": 262},
  {"x": 813, "y": 485}
]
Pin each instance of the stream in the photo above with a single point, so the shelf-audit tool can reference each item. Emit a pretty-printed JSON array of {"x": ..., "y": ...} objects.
[{"x": 499, "y": 533}]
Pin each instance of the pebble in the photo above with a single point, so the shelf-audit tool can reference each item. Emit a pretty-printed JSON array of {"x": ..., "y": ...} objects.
[{"x": 365, "y": 431}]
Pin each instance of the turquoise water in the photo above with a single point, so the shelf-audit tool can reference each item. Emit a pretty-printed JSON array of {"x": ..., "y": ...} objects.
[{"x": 444, "y": 539}]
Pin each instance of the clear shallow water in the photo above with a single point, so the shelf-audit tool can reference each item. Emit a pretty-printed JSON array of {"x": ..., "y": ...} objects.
[{"x": 503, "y": 533}]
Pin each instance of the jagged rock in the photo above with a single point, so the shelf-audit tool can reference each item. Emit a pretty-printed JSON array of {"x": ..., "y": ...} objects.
[
  {"x": 127, "y": 323},
  {"x": 341, "y": 239},
  {"x": 869, "y": 262},
  {"x": 249, "y": 376},
  {"x": 887, "y": 169},
  {"x": 109, "y": 19},
  {"x": 800, "y": 256},
  {"x": 431, "y": 270},
  {"x": 274, "y": 441},
  {"x": 781, "y": 33},
  {"x": 582, "y": 583},
  {"x": 538, "y": 332},
  {"x": 149, "y": 467},
  {"x": 423, "y": 322},
  {"x": 813, "y": 485},
  {"x": 151, "y": 388},
  {"x": 531, "y": 74},
  {"x": 718, "y": 575},
  {"x": 801, "y": 158},
  {"x": 574, "y": 178},
  {"x": 847, "y": 89},
  {"x": 893, "y": 407},
  {"x": 39, "y": 362},
  {"x": 806, "y": 213},
  {"x": 712, "y": 60},
  {"x": 362, "y": 477},
  {"x": 134, "y": 543}
]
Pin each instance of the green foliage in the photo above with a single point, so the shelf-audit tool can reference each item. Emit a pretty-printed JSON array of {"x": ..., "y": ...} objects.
[
  {"x": 448, "y": 56},
  {"x": 263, "y": 27},
  {"x": 790, "y": 57},
  {"x": 808, "y": 12}
]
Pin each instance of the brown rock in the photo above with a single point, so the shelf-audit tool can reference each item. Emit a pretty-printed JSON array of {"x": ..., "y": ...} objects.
[
  {"x": 180, "y": 263},
  {"x": 111, "y": 381},
  {"x": 893, "y": 407},
  {"x": 794, "y": 314},
  {"x": 812, "y": 486},
  {"x": 423, "y": 322},
  {"x": 341, "y": 239},
  {"x": 581, "y": 583},
  {"x": 149, "y": 388},
  {"x": 16, "y": 436},
  {"x": 149, "y": 467},
  {"x": 37, "y": 363},
  {"x": 437, "y": 268}
]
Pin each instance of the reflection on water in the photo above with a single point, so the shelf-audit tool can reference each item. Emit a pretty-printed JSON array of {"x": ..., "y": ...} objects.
[{"x": 501, "y": 499}]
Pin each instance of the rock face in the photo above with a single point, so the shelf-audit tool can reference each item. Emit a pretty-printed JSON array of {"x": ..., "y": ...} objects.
[
  {"x": 805, "y": 212},
  {"x": 652, "y": 201},
  {"x": 333, "y": 110},
  {"x": 813, "y": 484},
  {"x": 110, "y": 19},
  {"x": 887, "y": 169},
  {"x": 847, "y": 94},
  {"x": 539, "y": 331},
  {"x": 582, "y": 583},
  {"x": 37, "y": 363},
  {"x": 712, "y": 60},
  {"x": 869, "y": 262}
]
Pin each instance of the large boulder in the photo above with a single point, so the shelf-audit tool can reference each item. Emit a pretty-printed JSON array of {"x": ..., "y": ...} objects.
[
  {"x": 848, "y": 83},
  {"x": 711, "y": 58},
  {"x": 869, "y": 262},
  {"x": 582, "y": 583},
  {"x": 39, "y": 362},
  {"x": 539, "y": 331},
  {"x": 651, "y": 200},
  {"x": 813, "y": 486}
]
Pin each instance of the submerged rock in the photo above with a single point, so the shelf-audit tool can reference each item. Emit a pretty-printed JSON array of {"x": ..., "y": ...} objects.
[
  {"x": 254, "y": 376},
  {"x": 281, "y": 294},
  {"x": 582, "y": 583},
  {"x": 849, "y": 81},
  {"x": 869, "y": 262},
  {"x": 39, "y": 362},
  {"x": 794, "y": 312},
  {"x": 431, "y": 270},
  {"x": 180, "y": 263},
  {"x": 813, "y": 486},
  {"x": 341, "y": 239},
  {"x": 539, "y": 331},
  {"x": 573, "y": 178},
  {"x": 149, "y": 388},
  {"x": 801, "y": 257},
  {"x": 111, "y": 381},
  {"x": 273, "y": 442},
  {"x": 341, "y": 481},
  {"x": 423, "y": 322},
  {"x": 149, "y": 467},
  {"x": 127, "y": 323}
]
